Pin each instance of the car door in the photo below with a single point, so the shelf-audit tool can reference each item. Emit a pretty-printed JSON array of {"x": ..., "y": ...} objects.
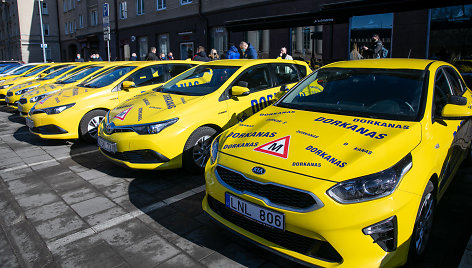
[
  {"x": 144, "y": 79},
  {"x": 449, "y": 134},
  {"x": 262, "y": 91}
]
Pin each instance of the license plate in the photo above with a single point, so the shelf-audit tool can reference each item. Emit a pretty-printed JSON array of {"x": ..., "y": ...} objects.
[
  {"x": 267, "y": 217},
  {"x": 20, "y": 108},
  {"x": 106, "y": 145},
  {"x": 29, "y": 123},
  {"x": 7, "y": 99}
]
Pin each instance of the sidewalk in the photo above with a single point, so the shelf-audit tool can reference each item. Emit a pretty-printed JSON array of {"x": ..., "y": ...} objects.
[{"x": 466, "y": 261}]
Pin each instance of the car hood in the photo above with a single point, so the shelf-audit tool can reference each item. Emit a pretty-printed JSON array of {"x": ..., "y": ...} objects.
[
  {"x": 43, "y": 89},
  {"x": 327, "y": 146},
  {"x": 71, "y": 95},
  {"x": 16, "y": 80},
  {"x": 151, "y": 107}
]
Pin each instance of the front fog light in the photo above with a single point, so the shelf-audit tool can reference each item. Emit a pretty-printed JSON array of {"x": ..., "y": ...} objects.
[
  {"x": 384, "y": 233},
  {"x": 214, "y": 149}
]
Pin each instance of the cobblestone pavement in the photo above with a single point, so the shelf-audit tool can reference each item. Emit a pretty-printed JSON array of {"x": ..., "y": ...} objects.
[{"x": 62, "y": 204}]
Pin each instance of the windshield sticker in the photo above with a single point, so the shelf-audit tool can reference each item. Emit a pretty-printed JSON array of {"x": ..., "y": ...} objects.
[
  {"x": 240, "y": 145},
  {"x": 262, "y": 103},
  {"x": 75, "y": 91},
  {"x": 121, "y": 116},
  {"x": 244, "y": 125},
  {"x": 307, "y": 134},
  {"x": 279, "y": 113},
  {"x": 361, "y": 130},
  {"x": 146, "y": 101},
  {"x": 153, "y": 107},
  {"x": 380, "y": 124},
  {"x": 183, "y": 100},
  {"x": 169, "y": 101},
  {"x": 252, "y": 134},
  {"x": 123, "y": 107},
  {"x": 305, "y": 164},
  {"x": 44, "y": 100},
  {"x": 242, "y": 116},
  {"x": 140, "y": 114},
  {"x": 362, "y": 150},
  {"x": 326, "y": 156},
  {"x": 57, "y": 99},
  {"x": 278, "y": 147},
  {"x": 276, "y": 120}
]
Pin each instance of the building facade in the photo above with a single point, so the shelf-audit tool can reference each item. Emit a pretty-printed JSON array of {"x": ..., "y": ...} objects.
[{"x": 20, "y": 30}]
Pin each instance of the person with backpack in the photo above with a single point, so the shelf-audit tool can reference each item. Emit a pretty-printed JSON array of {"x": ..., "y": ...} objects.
[{"x": 376, "y": 49}]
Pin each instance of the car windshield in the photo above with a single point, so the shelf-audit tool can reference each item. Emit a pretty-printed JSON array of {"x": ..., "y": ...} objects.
[
  {"x": 376, "y": 93},
  {"x": 57, "y": 73},
  {"x": 199, "y": 81},
  {"x": 464, "y": 66},
  {"x": 8, "y": 67},
  {"x": 108, "y": 77},
  {"x": 36, "y": 71},
  {"x": 23, "y": 69},
  {"x": 80, "y": 75}
]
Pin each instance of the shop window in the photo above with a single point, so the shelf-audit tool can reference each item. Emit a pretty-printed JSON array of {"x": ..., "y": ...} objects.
[
  {"x": 219, "y": 39},
  {"x": 143, "y": 47},
  {"x": 364, "y": 27},
  {"x": 164, "y": 46},
  {"x": 186, "y": 50}
]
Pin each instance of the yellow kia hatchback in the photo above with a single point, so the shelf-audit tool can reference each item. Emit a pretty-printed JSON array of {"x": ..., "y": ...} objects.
[
  {"x": 76, "y": 112},
  {"x": 173, "y": 126},
  {"x": 347, "y": 175},
  {"x": 89, "y": 71},
  {"x": 7, "y": 81}
]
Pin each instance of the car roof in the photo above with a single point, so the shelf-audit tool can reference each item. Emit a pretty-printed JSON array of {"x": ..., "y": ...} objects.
[
  {"x": 147, "y": 63},
  {"x": 247, "y": 62},
  {"x": 415, "y": 64}
]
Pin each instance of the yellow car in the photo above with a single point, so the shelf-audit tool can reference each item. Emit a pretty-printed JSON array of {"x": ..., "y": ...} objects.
[
  {"x": 348, "y": 176},
  {"x": 76, "y": 112},
  {"x": 18, "y": 90},
  {"x": 23, "y": 70},
  {"x": 38, "y": 72},
  {"x": 29, "y": 99},
  {"x": 174, "y": 126}
]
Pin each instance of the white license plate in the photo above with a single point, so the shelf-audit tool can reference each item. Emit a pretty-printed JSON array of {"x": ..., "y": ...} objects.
[
  {"x": 20, "y": 108},
  {"x": 261, "y": 215},
  {"x": 29, "y": 123},
  {"x": 106, "y": 145}
]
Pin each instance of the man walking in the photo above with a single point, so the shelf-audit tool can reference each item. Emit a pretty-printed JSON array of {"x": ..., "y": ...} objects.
[
  {"x": 249, "y": 52},
  {"x": 375, "y": 48},
  {"x": 152, "y": 54}
]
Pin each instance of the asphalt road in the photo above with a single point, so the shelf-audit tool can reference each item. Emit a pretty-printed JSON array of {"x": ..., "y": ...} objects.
[{"x": 62, "y": 204}]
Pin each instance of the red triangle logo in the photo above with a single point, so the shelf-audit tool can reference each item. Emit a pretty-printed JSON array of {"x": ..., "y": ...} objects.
[
  {"x": 278, "y": 147},
  {"x": 123, "y": 114}
]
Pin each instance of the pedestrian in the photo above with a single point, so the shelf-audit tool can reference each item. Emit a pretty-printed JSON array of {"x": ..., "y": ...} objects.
[
  {"x": 79, "y": 58},
  {"x": 214, "y": 55},
  {"x": 98, "y": 58},
  {"x": 134, "y": 57},
  {"x": 284, "y": 55},
  {"x": 355, "y": 55},
  {"x": 162, "y": 56},
  {"x": 249, "y": 52},
  {"x": 152, "y": 54},
  {"x": 170, "y": 56},
  {"x": 375, "y": 49},
  {"x": 232, "y": 52},
  {"x": 201, "y": 55}
]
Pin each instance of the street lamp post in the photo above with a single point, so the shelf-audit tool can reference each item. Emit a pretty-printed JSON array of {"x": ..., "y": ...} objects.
[{"x": 42, "y": 31}]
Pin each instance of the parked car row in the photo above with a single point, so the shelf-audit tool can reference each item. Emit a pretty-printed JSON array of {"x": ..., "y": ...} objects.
[{"x": 340, "y": 167}]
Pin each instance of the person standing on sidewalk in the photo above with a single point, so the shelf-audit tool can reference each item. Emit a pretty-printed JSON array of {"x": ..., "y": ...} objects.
[
  {"x": 249, "y": 52},
  {"x": 152, "y": 54}
]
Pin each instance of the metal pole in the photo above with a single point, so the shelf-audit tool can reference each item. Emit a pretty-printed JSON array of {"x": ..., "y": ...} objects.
[
  {"x": 108, "y": 48},
  {"x": 42, "y": 31}
]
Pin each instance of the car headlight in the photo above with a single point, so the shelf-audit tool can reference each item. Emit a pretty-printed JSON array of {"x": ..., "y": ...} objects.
[
  {"x": 57, "y": 109},
  {"x": 372, "y": 186},
  {"x": 214, "y": 149},
  {"x": 5, "y": 86},
  {"x": 40, "y": 97},
  {"x": 24, "y": 90},
  {"x": 153, "y": 128}
]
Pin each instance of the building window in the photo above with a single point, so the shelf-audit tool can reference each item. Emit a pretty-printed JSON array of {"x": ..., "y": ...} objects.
[
  {"x": 70, "y": 5},
  {"x": 364, "y": 27},
  {"x": 139, "y": 7},
  {"x": 143, "y": 47},
  {"x": 71, "y": 29},
  {"x": 66, "y": 29},
  {"x": 306, "y": 37},
  {"x": 64, "y": 5},
  {"x": 123, "y": 10},
  {"x": 93, "y": 18},
  {"x": 81, "y": 21},
  {"x": 161, "y": 4},
  {"x": 46, "y": 29},
  {"x": 184, "y": 2},
  {"x": 75, "y": 26},
  {"x": 163, "y": 40},
  {"x": 44, "y": 9},
  {"x": 219, "y": 39}
]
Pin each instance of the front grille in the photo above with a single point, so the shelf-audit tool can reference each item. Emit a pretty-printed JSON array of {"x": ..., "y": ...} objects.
[
  {"x": 275, "y": 194},
  {"x": 291, "y": 241},
  {"x": 2, "y": 96},
  {"x": 9, "y": 93},
  {"x": 22, "y": 101},
  {"x": 138, "y": 156},
  {"x": 49, "y": 130}
]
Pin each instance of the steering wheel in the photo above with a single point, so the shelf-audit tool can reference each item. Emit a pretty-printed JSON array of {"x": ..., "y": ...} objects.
[{"x": 396, "y": 105}]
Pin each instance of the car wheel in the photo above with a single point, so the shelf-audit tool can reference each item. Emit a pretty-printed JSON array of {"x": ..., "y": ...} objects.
[
  {"x": 89, "y": 125},
  {"x": 197, "y": 149},
  {"x": 423, "y": 224}
]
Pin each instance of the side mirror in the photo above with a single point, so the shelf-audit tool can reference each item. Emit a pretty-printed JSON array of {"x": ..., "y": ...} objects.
[
  {"x": 284, "y": 88},
  {"x": 453, "y": 111},
  {"x": 42, "y": 75},
  {"x": 457, "y": 100},
  {"x": 239, "y": 91},
  {"x": 127, "y": 85}
]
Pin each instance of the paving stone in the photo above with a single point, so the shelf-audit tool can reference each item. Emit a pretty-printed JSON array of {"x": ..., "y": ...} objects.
[
  {"x": 116, "y": 190},
  {"x": 11, "y": 162},
  {"x": 79, "y": 194},
  {"x": 52, "y": 163},
  {"x": 7, "y": 255},
  {"x": 466, "y": 261},
  {"x": 57, "y": 227},
  {"x": 70, "y": 249},
  {"x": 148, "y": 252},
  {"x": 218, "y": 260},
  {"x": 179, "y": 223},
  {"x": 180, "y": 260},
  {"x": 16, "y": 174},
  {"x": 91, "y": 174},
  {"x": 242, "y": 255},
  {"x": 100, "y": 255},
  {"x": 25, "y": 184},
  {"x": 46, "y": 212},
  {"x": 92, "y": 206},
  {"x": 194, "y": 250},
  {"x": 105, "y": 215},
  {"x": 65, "y": 182},
  {"x": 105, "y": 181},
  {"x": 127, "y": 233},
  {"x": 37, "y": 159},
  {"x": 78, "y": 168},
  {"x": 29, "y": 200},
  {"x": 158, "y": 228}
]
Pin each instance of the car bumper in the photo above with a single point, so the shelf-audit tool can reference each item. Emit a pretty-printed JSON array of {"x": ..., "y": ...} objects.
[
  {"x": 25, "y": 108},
  {"x": 53, "y": 126},
  {"x": 330, "y": 230}
]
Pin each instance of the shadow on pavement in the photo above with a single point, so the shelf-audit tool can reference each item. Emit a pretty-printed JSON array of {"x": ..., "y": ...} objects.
[{"x": 22, "y": 134}]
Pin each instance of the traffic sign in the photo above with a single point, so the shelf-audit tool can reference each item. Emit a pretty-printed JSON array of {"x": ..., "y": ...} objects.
[
  {"x": 45, "y": 45},
  {"x": 106, "y": 37},
  {"x": 106, "y": 10}
]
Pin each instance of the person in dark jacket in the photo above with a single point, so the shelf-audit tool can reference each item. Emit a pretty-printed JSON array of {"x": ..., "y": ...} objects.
[
  {"x": 233, "y": 52},
  {"x": 79, "y": 58},
  {"x": 373, "y": 52},
  {"x": 249, "y": 52},
  {"x": 152, "y": 54},
  {"x": 201, "y": 55},
  {"x": 133, "y": 57}
]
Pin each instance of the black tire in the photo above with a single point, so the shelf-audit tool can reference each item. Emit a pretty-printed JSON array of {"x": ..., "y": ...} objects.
[
  {"x": 423, "y": 225},
  {"x": 197, "y": 149},
  {"x": 88, "y": 126}
]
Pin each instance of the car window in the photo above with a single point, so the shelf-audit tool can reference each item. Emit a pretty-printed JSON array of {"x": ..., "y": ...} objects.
[
  {"x": 442, "y": 91},
  {"x": 148, "y": 76},
  {"x": 80, "y": 75},
  {"x": 23, "y": 69},
  {"x": 455, "y": 81},
  {"x": 257, "y": 78},
  {"x": 108, "y": 77},
  {"x": 36, "y": 71},
  {"x": 301, "y": 69},
  {"x": 284, "y": 73},
  {"x": 176, "y": 69},
  {"x": 57, "y": 73}
]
